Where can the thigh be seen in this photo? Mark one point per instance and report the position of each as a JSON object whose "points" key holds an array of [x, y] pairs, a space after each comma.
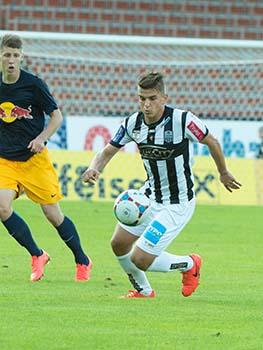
{"points": [[9, 175], [122, 240], [40, 179], [165, 227]]}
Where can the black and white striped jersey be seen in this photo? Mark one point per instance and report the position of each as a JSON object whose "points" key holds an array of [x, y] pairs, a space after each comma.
{"points": [[260, 151], [166, 151]]}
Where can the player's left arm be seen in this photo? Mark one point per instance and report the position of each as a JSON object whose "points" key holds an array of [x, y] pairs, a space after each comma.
{"points": [[37, 145], [216, 152]]}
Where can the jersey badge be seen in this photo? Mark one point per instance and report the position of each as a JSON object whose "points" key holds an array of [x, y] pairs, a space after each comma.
{"points": [[136, 134], [168, 136]]}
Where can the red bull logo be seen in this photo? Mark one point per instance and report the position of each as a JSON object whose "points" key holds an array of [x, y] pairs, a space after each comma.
{"points": [[10, 112]]}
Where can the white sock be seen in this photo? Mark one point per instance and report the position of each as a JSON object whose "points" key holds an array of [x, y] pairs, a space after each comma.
{"points": [[167, 262], [136, 276]]}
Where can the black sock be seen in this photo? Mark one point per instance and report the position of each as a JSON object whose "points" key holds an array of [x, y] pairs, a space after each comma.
{"points": [[19, 230], [69, 234]]}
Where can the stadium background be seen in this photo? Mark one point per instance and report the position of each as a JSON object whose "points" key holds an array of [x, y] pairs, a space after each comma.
{"points": [[95, 82]]}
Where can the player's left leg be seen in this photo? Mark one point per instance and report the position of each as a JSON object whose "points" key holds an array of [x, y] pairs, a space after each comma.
{"points": [[149, 254], [68, 232]]}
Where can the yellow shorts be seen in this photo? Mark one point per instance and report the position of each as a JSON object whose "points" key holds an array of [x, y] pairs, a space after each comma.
{"points": [[36, 177]]}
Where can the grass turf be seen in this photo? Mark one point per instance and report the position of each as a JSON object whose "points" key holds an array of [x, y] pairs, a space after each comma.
{"points": [[58, 313]]}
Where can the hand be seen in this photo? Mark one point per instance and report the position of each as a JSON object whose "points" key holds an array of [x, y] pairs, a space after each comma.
{"points": [[37, 145], [229, 181], [90, 176]]}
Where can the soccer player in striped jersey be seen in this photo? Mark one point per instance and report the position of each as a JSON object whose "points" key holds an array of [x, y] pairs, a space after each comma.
{"points": [[164, 136], [260, 149]]}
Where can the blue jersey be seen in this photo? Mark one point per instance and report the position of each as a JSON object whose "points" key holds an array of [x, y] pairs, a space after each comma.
{"points": [[23, 106]]}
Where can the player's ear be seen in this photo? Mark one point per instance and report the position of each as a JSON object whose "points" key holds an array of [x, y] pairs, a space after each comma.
{"points": [[165, 98]]}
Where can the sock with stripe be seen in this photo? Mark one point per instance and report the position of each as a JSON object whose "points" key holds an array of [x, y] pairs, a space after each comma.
{"points": [[19, 230], [167, 262], [136, 276], [69, 235]]}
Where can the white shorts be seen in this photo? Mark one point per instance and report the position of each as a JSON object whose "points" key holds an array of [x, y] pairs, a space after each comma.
{"points": [[162, 226]]}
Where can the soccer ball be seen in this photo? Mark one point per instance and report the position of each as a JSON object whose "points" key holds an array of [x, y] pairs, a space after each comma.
{"points": [[131, 207]]}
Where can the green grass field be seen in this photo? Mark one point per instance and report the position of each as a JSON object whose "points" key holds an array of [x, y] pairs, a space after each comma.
{"points": [[57, 313]]}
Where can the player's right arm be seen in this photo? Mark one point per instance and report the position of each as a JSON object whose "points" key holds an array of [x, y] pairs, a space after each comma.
{"points": [[103, 157], [98, 163]]}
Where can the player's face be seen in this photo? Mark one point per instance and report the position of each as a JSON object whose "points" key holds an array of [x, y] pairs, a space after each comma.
{"points": [[152, 103], [11, 60]]}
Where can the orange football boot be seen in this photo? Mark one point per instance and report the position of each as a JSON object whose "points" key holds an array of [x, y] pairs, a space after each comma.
{"points": [[38, 264], [190, 278], [83, 272], [132, 294]]}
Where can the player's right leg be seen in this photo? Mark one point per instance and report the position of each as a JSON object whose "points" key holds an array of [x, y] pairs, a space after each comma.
{"points": [[122, 243], [19, 230], [42, 186]]}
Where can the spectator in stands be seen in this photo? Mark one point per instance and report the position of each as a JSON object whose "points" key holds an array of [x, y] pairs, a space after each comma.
{"points": [[260, 150], [25, 163], [163, 135]]}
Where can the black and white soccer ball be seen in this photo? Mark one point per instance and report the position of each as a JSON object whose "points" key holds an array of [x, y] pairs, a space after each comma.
{"points": [[131, 207]]}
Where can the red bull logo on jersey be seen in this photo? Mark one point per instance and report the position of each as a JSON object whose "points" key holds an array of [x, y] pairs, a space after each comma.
{"points": [[10, 112]]}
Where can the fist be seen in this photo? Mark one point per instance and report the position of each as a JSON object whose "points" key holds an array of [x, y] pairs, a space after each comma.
{"points": [[90, 176]]}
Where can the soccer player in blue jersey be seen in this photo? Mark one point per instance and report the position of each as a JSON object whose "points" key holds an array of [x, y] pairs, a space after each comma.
{"points": [[164, 136], [25, 163]]}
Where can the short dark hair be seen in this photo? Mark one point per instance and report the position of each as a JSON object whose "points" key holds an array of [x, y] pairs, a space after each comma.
{"points": [[11, 40], [152, 80]]}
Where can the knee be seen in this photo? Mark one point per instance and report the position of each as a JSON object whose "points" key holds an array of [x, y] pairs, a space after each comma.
{"points": [[140, 262], [56, 220], [5, 212], [55, 217], [119, 247], [115, 245]]}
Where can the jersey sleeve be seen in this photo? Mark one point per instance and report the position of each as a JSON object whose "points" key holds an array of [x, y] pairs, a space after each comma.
{"points": [[121, 137], [195, 129], [45, 100]]}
